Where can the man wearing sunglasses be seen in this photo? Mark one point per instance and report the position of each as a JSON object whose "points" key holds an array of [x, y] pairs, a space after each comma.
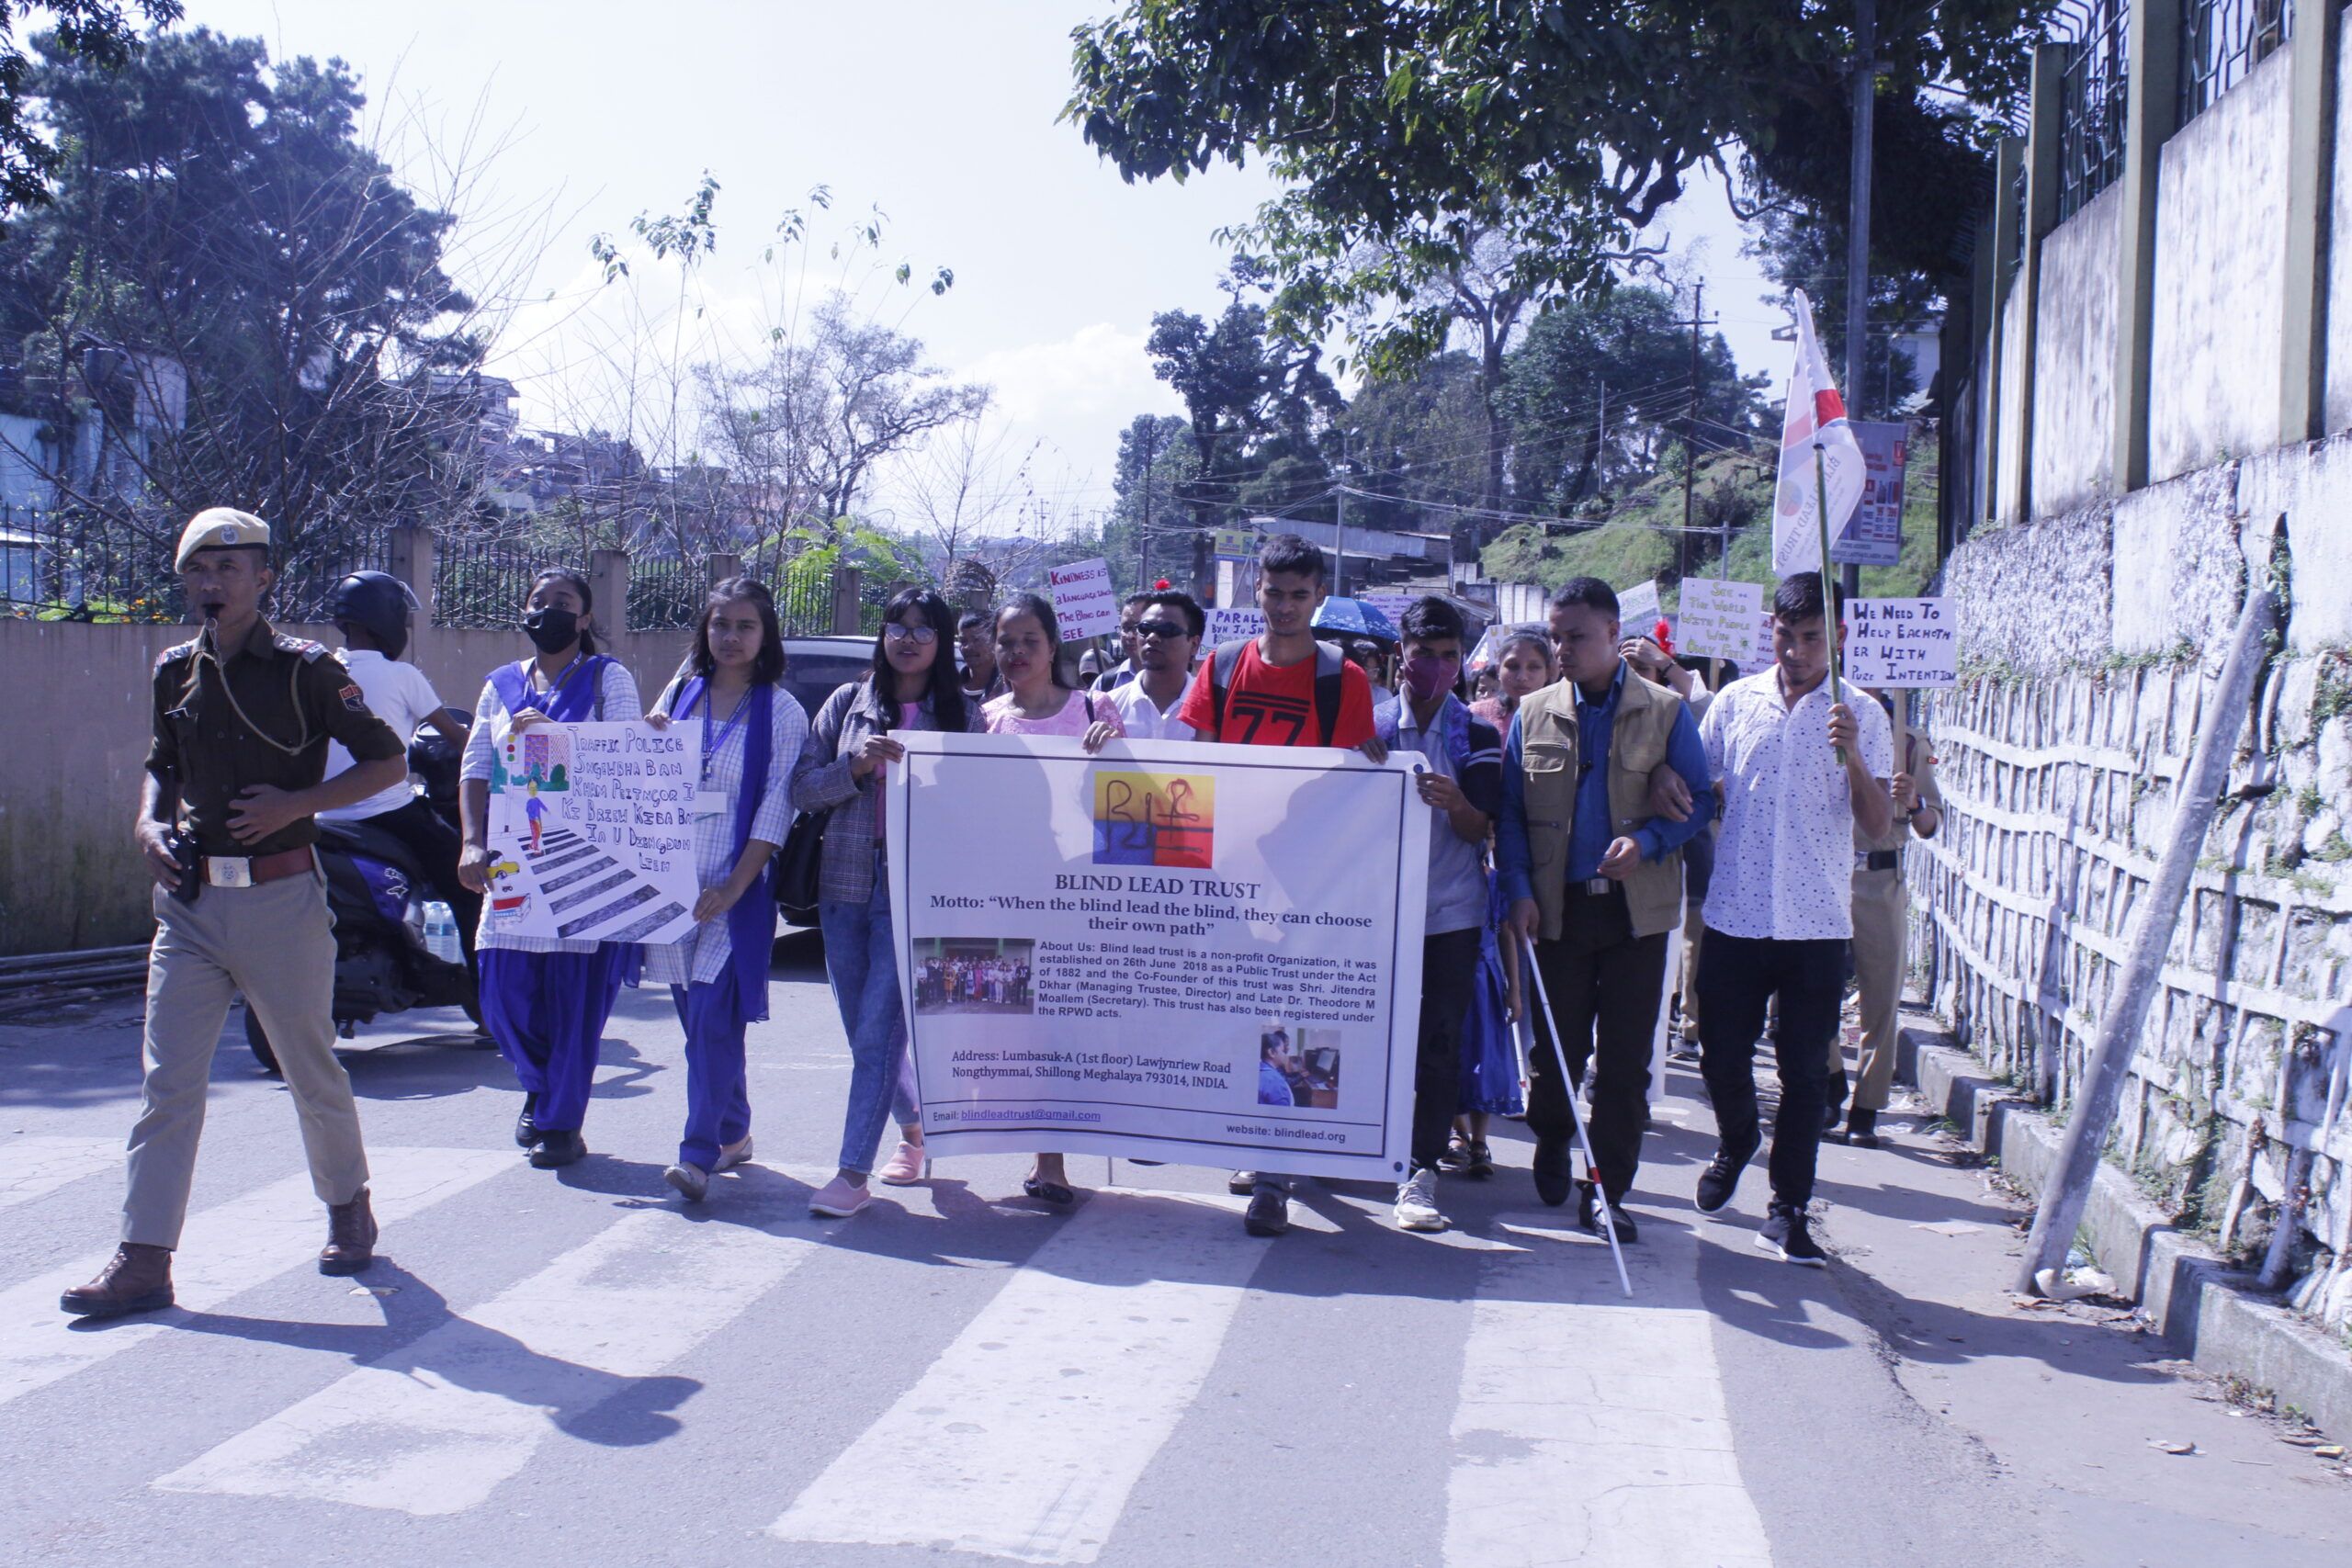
{"points": [[1169, 627]]}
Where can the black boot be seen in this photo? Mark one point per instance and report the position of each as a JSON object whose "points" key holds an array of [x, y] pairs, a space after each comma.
{"points": [[526, 1132]]}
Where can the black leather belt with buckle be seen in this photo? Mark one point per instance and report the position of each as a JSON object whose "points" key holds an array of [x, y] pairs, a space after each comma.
{"points": [[1591, 886], [1878, 860]]}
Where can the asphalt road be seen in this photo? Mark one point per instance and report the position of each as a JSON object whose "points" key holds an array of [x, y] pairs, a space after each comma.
{"points": [[573, 1367]]}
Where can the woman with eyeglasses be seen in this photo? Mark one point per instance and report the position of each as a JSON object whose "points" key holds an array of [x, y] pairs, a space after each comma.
{"points": [[1029, 652], [913, 684]]}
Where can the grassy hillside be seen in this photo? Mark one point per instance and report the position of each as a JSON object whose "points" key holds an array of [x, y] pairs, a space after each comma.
{"points": [[1640, 538]]}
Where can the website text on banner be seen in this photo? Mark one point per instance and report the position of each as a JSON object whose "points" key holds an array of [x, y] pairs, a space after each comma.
{"points": [[1201, 953], [1901, 642], [1718, 619], [1084, 601], [592, 831]]}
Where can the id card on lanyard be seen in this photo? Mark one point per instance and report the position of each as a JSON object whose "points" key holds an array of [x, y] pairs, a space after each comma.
{"points": [[710, 802]]}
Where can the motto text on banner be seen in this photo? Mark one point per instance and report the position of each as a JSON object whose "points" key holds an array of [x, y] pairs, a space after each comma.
{"points": [[1196, 953]]}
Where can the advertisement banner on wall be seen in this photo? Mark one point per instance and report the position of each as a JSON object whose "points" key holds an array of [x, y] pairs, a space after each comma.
{"points": [[1197, 953], [592, 831]]}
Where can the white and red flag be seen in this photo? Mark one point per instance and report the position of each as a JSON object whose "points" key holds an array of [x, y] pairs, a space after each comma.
{"points": [[1816, 415]]}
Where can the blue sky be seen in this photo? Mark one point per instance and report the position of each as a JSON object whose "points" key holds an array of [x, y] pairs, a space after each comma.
{"points": [[942, 114]]}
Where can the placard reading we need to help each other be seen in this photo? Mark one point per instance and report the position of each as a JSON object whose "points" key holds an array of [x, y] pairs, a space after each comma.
{"points": [[1901, 642]]}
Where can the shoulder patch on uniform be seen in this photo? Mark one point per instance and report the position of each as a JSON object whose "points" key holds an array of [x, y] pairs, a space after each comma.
{"points": [[354, 698], [177, 651], [311, 652]]}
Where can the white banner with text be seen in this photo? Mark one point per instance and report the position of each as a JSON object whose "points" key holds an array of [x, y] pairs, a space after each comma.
{"points": [[1197, 953]]}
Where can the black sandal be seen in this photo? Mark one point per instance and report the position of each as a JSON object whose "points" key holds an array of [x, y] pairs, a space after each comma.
{"points": [[1482, 1160], [1048, 1191]]}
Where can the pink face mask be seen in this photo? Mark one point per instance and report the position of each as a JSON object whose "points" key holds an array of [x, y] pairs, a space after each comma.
{"points": [[1426, 675]]}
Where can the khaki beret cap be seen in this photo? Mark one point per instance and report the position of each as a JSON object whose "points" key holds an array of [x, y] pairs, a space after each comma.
{"points": [[220, 528]]}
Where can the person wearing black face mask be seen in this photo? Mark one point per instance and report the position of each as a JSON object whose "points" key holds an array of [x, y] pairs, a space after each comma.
{"points": [[545, 1000]]}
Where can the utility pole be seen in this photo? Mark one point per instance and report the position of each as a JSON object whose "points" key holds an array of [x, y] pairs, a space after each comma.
{"points": [[1150, 447], [1340, 580], [1690, 430], [1857, 227], [1601, 438]]}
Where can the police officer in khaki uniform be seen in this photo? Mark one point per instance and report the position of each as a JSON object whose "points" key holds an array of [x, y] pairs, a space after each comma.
{"points": [[1882, 920], [242, 720]]}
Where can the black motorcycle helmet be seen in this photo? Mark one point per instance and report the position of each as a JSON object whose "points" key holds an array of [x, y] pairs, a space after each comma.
{"points": [[379, 603]]}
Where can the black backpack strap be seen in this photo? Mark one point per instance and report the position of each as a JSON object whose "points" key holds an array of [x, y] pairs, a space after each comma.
{"points": [[1331, 675], [1090, 705], [1222, 665]]}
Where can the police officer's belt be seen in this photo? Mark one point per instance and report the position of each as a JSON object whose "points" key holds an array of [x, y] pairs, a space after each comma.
{"points": [[251, 871], [1877, 860]]}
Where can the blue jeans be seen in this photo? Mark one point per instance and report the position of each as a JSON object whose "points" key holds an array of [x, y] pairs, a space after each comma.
{"points": [[862, 962]]}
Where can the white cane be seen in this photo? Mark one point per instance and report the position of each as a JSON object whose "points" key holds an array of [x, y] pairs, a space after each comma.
{"points": [[1569, 1092]]}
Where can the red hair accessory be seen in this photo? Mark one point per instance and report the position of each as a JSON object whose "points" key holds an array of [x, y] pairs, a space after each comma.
{"points": [[1663, 635], [1162, 585]]}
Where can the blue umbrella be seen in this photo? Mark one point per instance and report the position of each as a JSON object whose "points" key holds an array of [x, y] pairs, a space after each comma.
{"points": [[1353, 617]]}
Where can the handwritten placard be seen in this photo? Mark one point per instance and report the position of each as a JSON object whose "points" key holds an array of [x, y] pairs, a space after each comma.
{"points": [[1764, 656], [1637, 609], [1719, 618], [1901, 642], [592, 831], [1224, 625], [1084, 601]]}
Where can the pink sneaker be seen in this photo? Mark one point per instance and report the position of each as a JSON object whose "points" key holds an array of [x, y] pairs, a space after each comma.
{"points": [[903, 1168], [837, 1199]]}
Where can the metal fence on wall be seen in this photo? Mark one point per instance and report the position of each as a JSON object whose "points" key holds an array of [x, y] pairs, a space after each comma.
{"points": [[2220, 40], [74, 567], [481, 583], [2092, 99]]}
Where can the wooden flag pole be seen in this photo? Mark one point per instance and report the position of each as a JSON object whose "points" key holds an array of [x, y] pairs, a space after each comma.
{"points": [[1828, 614]]}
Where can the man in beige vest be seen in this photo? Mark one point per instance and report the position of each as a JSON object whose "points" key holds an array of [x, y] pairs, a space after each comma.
{"points": [[1594, 876], [1882, 917]]}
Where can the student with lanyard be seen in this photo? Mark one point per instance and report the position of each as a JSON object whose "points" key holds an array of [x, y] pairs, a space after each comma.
{"points": [[751, 735], [913, 684], [1029, 651], [545, 1000]]}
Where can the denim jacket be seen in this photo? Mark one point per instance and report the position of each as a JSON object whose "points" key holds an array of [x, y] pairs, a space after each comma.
{"points": [[821, 781]]}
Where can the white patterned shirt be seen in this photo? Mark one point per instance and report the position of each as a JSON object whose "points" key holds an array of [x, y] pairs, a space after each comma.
{"points": [[1784, 861], [617, 699], [704, 954]]}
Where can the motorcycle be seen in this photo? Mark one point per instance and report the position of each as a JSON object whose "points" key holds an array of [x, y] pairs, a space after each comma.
{"points": [[375, 891]]}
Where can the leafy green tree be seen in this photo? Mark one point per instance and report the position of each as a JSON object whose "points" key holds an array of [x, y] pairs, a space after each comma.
{"points": [[1408, 134], [1143, 537], [1251, 400], [1599, 385], [97, 33], [1811, 256], [232, 289]]}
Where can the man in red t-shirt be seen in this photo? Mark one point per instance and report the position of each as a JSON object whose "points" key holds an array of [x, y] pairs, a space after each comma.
{"points": [[1271, 699]]}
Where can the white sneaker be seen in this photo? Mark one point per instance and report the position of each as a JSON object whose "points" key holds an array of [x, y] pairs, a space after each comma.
{"points": [[691, 1181], [732, 1154], [1417, 1207]]}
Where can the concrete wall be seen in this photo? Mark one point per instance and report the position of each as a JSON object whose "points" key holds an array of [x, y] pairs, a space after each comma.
{"points": [[2091, 641], [2009, 491], [2074, 374], [74, 709], [2220, 271], [2339, 258]]}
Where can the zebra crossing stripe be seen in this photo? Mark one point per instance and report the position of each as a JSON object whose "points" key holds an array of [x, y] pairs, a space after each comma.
{"points": [[1025, 1436], [223, 1252], [34, 1168], [1593, 1426], [435, 1429]]}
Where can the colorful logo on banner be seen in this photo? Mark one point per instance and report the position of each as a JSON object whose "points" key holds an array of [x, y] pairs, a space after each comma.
{"points": [[1155, 819]]}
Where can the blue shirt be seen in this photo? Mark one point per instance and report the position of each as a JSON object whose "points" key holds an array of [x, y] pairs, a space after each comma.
{"points": [[1590, 835]]}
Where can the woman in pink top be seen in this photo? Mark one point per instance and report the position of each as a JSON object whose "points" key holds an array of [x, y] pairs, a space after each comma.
{"points": [[1028, 655]]}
